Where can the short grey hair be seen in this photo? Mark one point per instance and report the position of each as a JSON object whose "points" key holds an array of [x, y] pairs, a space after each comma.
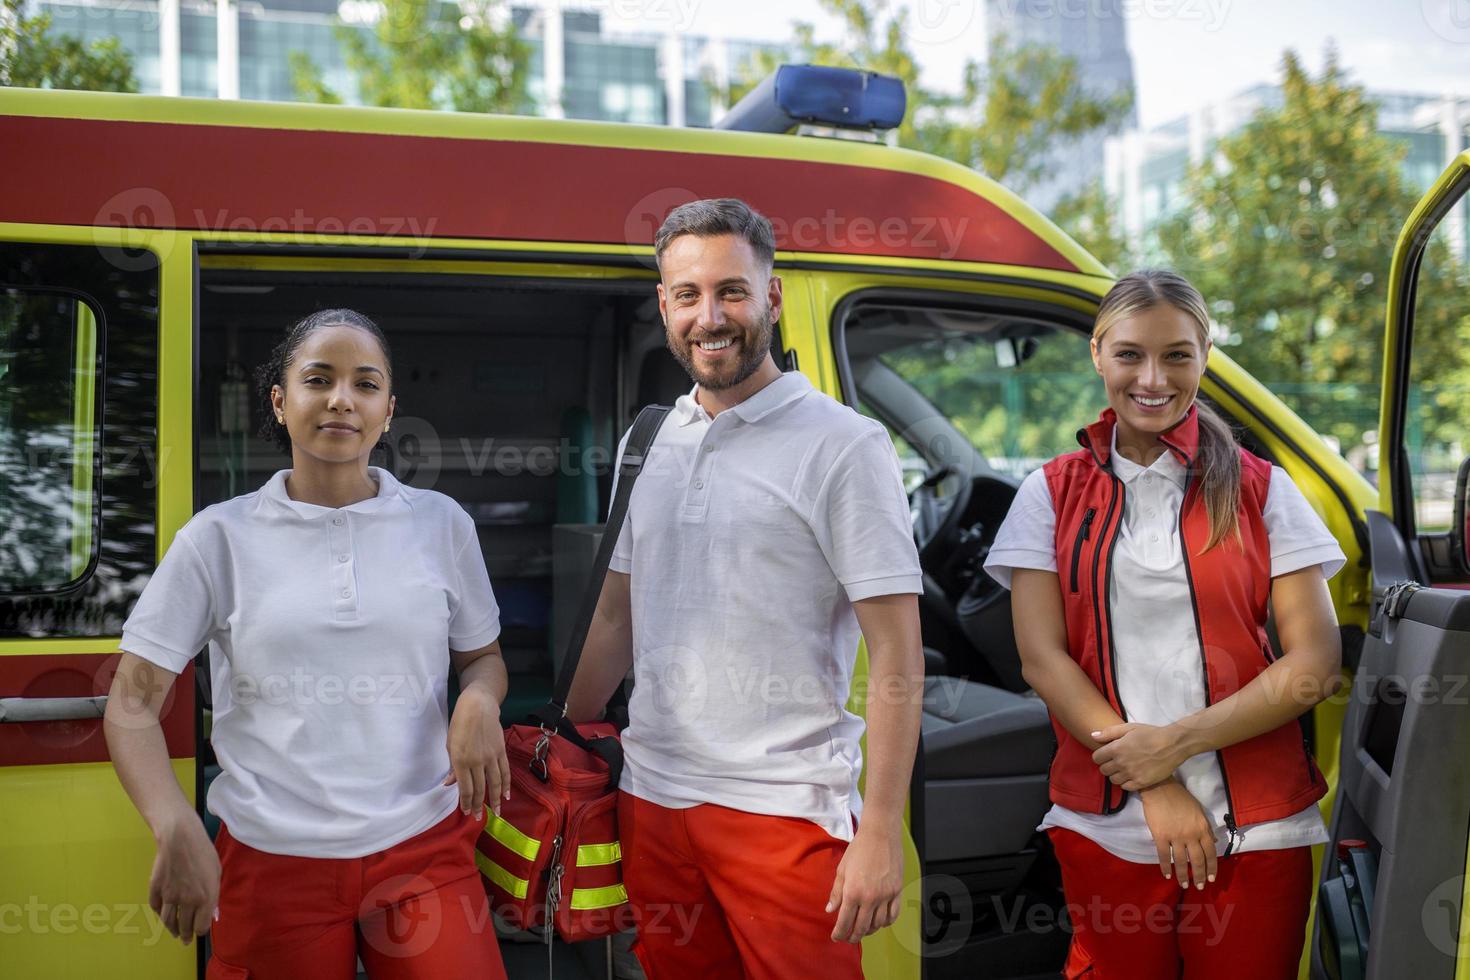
{"points": [[718, 216]]}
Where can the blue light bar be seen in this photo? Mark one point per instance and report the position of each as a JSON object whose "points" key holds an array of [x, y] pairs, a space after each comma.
{"points": [[845, 98]]}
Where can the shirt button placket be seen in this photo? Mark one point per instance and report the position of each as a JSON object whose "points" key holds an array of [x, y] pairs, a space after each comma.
{"points": [[344, 584], [697, 496]]}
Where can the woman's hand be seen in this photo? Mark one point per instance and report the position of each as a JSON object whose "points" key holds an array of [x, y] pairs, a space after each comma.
{"points": [[1137, 756], [184, 887], [1182, 833], [477, 761]]}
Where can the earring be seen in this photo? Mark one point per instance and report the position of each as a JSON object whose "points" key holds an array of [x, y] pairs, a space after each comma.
{"points": [[386, 425], [280, 418]]}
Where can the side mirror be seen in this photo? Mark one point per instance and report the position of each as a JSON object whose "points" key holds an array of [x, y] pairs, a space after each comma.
{"points": [[1459, 532]]}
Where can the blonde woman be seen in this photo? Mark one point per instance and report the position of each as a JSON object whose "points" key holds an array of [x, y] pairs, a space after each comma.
{"points": [[1141, 568]]}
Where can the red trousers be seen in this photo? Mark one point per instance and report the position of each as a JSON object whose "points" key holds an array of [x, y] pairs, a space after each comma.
{"points": [[719, 894], [1131, 923], [413, 912]]}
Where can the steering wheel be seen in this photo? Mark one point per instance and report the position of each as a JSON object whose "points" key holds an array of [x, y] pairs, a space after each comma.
{"points": [[937, 519]]}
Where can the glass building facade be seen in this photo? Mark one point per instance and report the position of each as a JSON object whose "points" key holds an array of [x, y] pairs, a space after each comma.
{"points": [[1095, 36], [645, 78]]}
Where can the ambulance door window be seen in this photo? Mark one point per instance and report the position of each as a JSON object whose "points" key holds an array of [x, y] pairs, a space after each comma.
{"points": [[1436, 437], [48, 396], [1013, 386], [78, 425]]}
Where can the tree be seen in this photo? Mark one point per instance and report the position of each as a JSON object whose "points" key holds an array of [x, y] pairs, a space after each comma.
{"points": [[1090, 217], [429, 54], [1288, 230], [1008, 112], [32, 57]]}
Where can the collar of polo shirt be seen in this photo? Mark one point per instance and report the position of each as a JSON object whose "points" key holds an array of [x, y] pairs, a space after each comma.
{"points": [[784, 390], [275, 492], [1166, 466]]}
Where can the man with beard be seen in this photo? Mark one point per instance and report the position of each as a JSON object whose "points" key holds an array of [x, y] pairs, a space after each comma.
{"points": [[768, 527]]}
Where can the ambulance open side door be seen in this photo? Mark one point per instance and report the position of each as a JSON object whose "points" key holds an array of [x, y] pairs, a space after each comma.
{"points": [[1391, 898]]}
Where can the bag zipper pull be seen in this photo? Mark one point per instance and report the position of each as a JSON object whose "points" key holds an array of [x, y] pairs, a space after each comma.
{"points": [[553, 899]]}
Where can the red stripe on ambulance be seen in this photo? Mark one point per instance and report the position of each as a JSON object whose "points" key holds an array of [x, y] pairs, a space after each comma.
{"points": [[81, 675], [249, 180]]}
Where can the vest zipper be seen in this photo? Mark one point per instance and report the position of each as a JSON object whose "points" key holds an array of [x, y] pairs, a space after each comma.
{"points": [[1205, 670], [1082, 536], [1102, 612]]}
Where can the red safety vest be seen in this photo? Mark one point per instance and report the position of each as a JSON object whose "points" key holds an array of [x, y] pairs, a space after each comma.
{"points": [[1266, 777]]}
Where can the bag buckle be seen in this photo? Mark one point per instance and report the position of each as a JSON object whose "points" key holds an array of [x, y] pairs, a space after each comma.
{"points": [[538, 755]]}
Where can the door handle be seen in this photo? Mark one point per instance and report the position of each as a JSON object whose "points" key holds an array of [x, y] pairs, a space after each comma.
{"points": [[51, 709]]}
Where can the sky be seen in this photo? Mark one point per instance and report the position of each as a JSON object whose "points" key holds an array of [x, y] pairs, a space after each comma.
{"points": [[1186, 53]]}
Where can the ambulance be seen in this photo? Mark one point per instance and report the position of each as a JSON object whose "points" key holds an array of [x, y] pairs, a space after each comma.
{"points": [[152, 250]]}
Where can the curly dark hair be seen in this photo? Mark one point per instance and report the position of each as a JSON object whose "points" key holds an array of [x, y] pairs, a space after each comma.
{"points": [[273, 371]]}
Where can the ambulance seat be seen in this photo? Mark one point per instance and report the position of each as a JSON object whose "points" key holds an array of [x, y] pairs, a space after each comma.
{"points": [[987, 753]]}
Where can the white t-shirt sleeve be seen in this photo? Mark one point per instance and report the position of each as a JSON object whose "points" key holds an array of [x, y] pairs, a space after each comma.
{"points": [[474, 615], [861, 521], [1298, 537], [175, 616], [622, 556], [1027, 537]]}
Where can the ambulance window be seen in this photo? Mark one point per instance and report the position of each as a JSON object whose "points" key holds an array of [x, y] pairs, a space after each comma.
{"points": [[1016, 387], [1437, 420], [48, 424], [78, 436]]}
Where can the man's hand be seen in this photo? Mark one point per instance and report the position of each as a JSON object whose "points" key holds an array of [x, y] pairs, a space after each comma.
{"points": [[865, 893], [477, 759], [1137, 756]]}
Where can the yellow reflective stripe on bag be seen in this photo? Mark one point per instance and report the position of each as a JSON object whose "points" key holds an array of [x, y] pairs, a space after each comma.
{"points": [[515, 841], [507, 882], [595, 855], [598, 898]]}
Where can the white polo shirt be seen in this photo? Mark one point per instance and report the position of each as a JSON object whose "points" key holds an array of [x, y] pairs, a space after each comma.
{"points": [[748, 538], [1160, 676], [329, 632]]}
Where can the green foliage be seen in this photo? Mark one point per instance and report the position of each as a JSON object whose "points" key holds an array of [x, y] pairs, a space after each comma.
{"points": [[1288, 231], [32, 57], [1091, 218], [1008, 112], [306, 79], [427, 54]]}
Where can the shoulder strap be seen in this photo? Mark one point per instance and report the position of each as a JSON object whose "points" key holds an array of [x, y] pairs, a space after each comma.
{"points": [[640, 439]]}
